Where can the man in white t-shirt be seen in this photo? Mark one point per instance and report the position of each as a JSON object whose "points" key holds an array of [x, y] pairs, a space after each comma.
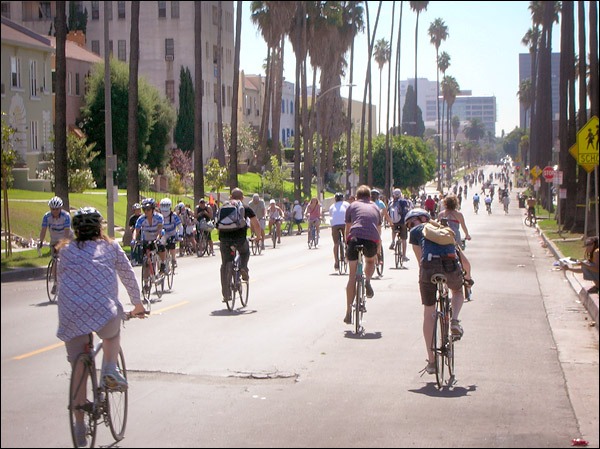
{"points": [[337, 214], [297, 214]]}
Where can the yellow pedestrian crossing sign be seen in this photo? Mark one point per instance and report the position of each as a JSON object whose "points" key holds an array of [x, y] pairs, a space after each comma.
{"points": [[536, 171], [587, 143]]}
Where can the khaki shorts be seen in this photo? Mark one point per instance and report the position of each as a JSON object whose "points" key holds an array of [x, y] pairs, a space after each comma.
{"points": [[76, 345], [449, 267]]}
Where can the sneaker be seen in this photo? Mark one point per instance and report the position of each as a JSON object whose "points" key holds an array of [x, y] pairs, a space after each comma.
{"points": [[53, 291], [405, 259], [456, 328], [348, 318], [370, 292], [244, 273], [469, 282], [113, 378], [80, 434]]}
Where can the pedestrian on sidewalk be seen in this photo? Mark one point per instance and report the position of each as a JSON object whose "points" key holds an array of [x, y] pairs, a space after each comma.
{"points": [[589, 266]]}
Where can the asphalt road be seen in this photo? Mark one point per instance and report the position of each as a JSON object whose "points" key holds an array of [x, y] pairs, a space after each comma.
{"points": [[286, 371]]}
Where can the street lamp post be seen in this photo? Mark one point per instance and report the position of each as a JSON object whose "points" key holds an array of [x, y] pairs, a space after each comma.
{"points": [[319, 174]]}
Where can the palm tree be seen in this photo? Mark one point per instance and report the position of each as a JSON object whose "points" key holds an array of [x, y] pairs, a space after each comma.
{"points": [[133, 177], [60, 127], [198, 94], [525, 96], [531, 40], [443, 64], [233, 153], [417, 7], [475, 130], [388, 151], [594, 81], [450, 90], [382, 57], [438, 32]]}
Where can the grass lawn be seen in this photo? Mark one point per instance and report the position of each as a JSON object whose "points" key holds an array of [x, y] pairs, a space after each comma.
{"points": [[569, 244]]}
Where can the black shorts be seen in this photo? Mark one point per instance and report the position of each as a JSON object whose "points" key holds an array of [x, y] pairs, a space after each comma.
{"points": [[402, 230], [369, 250]]}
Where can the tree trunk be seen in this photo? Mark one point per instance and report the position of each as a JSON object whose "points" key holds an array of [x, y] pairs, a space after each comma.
{"points": [[133, 179], [582, 117], [219, 96], [198, 94], [299, 25], [61, 176], [277, 101], [233, 151]]}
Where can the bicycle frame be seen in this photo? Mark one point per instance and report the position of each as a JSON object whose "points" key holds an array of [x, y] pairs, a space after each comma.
{"points": [[359, 294], [443, 342]]}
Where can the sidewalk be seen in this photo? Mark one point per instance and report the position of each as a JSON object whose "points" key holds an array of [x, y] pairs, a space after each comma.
{"points": [[581, 286]]}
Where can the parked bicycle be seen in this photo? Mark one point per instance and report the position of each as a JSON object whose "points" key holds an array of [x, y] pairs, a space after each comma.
{"points": [[238, 287], [443, 340], [93, 402]]}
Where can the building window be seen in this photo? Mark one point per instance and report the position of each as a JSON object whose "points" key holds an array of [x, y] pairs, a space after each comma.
{"points": [[169, 49], [170, 90], [122, 50], [96, 47], [77, 91], [110, 47], [45, 11], [215, 15], [174, 10], [95, 10], [121, 10], [45, 78], [34, 135], [162, 10], [33, 78], [6, 9], [69, 83], [15, 72]]}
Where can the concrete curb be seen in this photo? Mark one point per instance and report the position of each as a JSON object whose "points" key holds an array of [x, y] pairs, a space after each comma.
{"points": [[23, 274], [589, 300]]}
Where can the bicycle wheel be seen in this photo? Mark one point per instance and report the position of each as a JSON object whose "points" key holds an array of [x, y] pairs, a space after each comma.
{"points": [[274, 237], [242, 290], [439, 348], [253, 245], [379, 263], [229, 278], [450, 349], [116, 404], [146, 285], [341, 257], [202, 247], [159, 279], [170, 274], [83, 398], [398, 253], [359, 301], [51, 283]]}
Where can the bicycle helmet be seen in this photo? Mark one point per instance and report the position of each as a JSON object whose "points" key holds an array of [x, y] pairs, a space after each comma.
{"points": [[137, 206], [417, 212], [165, 205], [149, 202], [339, 196], [375, 192], [397, 193], [180, 207], [55, 203], [87, 222]]}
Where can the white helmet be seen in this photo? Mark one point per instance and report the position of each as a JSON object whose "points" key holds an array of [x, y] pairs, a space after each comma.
{"points": [[397, 193], [55, 203], [165, 205], [180, 206]]}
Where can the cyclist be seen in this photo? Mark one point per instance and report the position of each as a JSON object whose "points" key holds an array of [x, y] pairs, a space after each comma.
{"points": [[204, 217], [149, 228], [275, 214], [88, 297], [232, 232], [506, 202], [363, 227], [488, 204], [313, 213], [136, 255], [59, 223], [172, 226], [337, 212], [456, 219], [187, 220], [434, 258], [476, 202], [375, 198], [297, 214], [398, 208], [531, 209], [258, 207]]}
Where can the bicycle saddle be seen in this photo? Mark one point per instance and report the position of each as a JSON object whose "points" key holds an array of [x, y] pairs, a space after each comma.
{"points": [[438, 278]]}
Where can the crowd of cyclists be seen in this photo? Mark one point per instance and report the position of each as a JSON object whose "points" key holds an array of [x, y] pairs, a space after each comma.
{"points": [[359, 220]]}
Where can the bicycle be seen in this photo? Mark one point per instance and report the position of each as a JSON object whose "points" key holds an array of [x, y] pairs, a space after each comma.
{"points": [[360, 298], [341, 254], [288, 227], [186, 247], [169, 268], [530, 219], [398, 253], [466, 284], [443, 341], [379, 262], [313, 236], [237, 286], [51, 277], [255, 244], [98, 403], [276, 224], [488, 207], [150, 276], [203, 230]]}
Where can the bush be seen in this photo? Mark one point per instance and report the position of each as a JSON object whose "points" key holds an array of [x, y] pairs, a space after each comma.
{"points": [[81, 180]]}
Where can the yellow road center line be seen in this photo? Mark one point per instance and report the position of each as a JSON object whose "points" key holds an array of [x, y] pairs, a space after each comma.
{"points": [[58, 345]]}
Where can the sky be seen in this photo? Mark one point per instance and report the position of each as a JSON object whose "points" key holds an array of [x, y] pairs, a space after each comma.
{"points": [[484, 42]]}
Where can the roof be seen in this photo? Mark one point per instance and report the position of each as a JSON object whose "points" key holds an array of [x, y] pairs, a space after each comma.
{"points": [[75, 51], [17, 34]]}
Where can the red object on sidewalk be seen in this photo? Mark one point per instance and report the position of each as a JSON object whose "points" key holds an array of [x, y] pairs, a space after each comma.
{"points": [[579, 442]]}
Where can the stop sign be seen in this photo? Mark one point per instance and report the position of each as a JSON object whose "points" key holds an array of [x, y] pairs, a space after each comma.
{"points": [[548, 173]]}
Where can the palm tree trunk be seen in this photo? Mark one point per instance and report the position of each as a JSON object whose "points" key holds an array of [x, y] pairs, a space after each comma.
{"points": [[277, 71], [299, 24], [264, 122], [388, 152], [198, 95], [133, 178], [61, 176], [218, 96], [349, 122], [233, 151], [414, 133]]}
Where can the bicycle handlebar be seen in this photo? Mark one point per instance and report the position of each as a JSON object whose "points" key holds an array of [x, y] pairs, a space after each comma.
{"points": [[129, 315]]}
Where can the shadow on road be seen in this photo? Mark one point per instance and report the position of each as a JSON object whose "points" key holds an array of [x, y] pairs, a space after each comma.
{"points": [[447, 392], [363, 336], [237, 312]]}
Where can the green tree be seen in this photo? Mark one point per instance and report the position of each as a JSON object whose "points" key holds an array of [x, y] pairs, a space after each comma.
{"points": [[77, 18], [382, 54], [8, 161], [275, 177], [184, 128], [216, 176]]}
